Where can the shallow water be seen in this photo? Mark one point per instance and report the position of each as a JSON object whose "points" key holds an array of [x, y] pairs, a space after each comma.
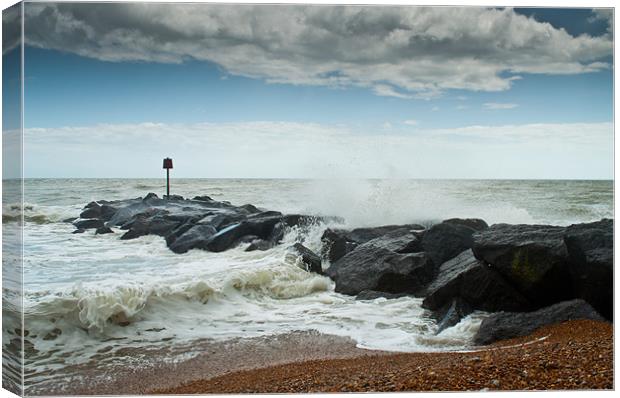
{"points": [[80, 289]]}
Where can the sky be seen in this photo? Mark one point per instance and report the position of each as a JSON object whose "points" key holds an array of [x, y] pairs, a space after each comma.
{"points": [[316, 91]]}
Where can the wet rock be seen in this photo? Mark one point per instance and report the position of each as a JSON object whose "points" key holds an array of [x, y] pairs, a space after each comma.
{"points": [[203, 198], [447, 239], [69, 220], [196, 237], [590, 251], [250, 208], [339, 242], [79, 231], [377, 265], [533, 258], [103, 230], [174, 197], [506, 325], [88, 224], [91, 212], [107, 212], [310, 259], [471, 280], [473, 223], [153, 222]]}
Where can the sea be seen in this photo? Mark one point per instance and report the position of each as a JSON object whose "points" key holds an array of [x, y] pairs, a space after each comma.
{"points": [[87, 295]]}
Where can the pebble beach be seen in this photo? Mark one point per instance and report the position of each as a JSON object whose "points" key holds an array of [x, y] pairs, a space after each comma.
{"points": [[574, 355]]}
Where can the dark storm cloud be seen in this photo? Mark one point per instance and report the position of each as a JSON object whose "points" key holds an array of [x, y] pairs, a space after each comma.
{"points": [[396, 51]]}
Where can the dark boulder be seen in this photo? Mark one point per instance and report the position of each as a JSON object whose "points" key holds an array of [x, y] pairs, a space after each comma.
{"points": [[373, 294], [88, 224], [79, 231], [471, 280], [153, 222], [533, 258], [447, 239], [338, 242], [92, 204], [69, 220], [91, 212], [473, 223], [203, 198], [196, 237], [506, 325], [221, 219], [174, 197], [250, 208], [310, 259], [103, 230], [107, 212], [226, 238], [591, 259], [377, 265]]}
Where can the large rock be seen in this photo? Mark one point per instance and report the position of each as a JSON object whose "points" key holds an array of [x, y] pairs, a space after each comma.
{"points": [[591, 259], [88, 224], [506, 325], [467, 278], [447, 239], [338, 242], [196, 237], [310, 259], [377, 265], [533, 258]]}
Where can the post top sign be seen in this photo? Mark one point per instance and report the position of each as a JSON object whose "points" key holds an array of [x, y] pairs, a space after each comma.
{"points": [[167, 163]]}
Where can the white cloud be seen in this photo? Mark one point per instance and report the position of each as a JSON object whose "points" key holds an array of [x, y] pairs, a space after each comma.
{"points": [[461, 107], [435, 108], [404, 52], [499, 105], [411, 122], [285, 149]]}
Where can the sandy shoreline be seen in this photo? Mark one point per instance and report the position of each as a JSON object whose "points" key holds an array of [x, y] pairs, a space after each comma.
{"points": [[571, 355]]}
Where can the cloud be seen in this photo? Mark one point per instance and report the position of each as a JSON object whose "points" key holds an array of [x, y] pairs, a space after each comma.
{"points": [[403, 52], [309, 150], [498, 105], [411, 122]]}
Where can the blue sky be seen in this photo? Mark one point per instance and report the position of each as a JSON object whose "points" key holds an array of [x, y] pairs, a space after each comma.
{"points": [[443, 102]]}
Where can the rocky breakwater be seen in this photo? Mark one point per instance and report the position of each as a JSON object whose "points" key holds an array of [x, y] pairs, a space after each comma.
{"points": [[462, 265], [198, 223]]}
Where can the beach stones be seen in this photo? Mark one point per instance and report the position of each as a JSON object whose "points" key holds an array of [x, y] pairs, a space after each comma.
{"points": [[506, 325]]}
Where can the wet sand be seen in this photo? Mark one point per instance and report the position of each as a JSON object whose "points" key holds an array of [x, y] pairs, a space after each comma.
{"points": [[139, 371], [571, 355]]}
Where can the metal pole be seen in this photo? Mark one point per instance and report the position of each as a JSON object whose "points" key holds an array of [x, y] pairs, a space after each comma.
{"points": [[167, 183]]}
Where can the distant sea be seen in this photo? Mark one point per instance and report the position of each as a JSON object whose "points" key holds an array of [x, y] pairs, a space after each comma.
{"points": [[79, 289]]}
